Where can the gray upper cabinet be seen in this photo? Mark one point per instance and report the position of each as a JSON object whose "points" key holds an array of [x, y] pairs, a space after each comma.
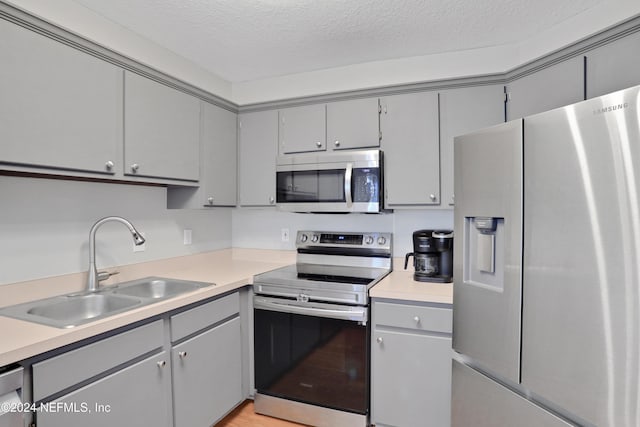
{"points": [[218, 163], [552, 87], [219, 156], [410, 141], [614, 66], [162, 131], [258, 142], [302, 129], [59, 108], [353, 124], [462, 111]]}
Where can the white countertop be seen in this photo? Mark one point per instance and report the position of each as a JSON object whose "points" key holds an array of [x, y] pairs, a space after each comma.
{"points": [[399, 285], [229, 269]]}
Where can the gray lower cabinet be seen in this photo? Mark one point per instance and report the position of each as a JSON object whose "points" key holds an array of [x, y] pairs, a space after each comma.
{"points": [[613, 66], [410, 141], [257, 151], [206, 360], [161, 130], [353, 124], [462, 111], [133, 396], [108, 384], [302, 129], [410, 365], [207, 375], [180, 370], [552, 87], [59, 107]]}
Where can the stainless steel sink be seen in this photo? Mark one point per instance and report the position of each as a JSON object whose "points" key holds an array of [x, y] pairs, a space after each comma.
{"points": [[157, 288], [71, 310], [77, 309]]}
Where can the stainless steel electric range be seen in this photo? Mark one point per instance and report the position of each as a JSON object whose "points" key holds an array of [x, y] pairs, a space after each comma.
{"points": [[311, 331]]}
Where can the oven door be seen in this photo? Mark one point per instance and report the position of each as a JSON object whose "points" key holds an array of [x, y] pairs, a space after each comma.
{"points": [[313, 353]]}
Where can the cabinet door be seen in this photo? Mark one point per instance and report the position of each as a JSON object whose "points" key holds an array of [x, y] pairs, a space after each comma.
{"points": [[353, 124], [134, 396], [207, 375], [462, 111], [302, 129], [161, 130], [258, 147], [556, 86], [219, 163], [59, 107], [411, 379], [410, 132], [614, 66]]}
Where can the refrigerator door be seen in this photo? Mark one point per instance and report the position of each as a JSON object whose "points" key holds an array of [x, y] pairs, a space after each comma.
{"points": [[488, 249], [581, 319]]}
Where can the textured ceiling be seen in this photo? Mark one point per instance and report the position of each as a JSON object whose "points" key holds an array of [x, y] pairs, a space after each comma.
{"points": [[242, 40]]}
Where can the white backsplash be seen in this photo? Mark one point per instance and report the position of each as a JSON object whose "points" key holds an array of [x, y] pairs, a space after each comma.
{"points": [[261, 228], [45, 223]]}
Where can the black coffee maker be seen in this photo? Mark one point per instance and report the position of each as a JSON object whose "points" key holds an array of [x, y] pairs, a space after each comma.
{"points": [[432, 256]]}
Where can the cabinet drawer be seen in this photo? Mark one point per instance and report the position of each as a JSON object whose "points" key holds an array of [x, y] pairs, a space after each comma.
{"points": [[413, 317], [55, 374], [191, 321]]}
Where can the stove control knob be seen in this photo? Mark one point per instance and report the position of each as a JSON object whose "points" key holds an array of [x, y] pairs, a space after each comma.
{"points": [[368, 240], [303, 238], [381, 240], [314, 238]]}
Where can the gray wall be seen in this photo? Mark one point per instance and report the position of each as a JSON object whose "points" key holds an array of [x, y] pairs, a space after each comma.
{"points": [[44, 226], [260, 228]]}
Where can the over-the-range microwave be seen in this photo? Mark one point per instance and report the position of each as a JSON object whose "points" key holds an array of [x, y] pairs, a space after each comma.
{"points": [[343, 181]]}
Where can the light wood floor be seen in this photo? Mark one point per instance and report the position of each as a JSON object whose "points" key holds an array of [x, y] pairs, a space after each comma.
{"points": [[243, 416]]}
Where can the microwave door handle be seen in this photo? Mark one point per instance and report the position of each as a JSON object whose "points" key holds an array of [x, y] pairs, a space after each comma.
{"points": [[347, 184]]}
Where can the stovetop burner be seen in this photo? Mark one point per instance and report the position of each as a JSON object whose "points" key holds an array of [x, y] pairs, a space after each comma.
{"points": [[331, 267]]}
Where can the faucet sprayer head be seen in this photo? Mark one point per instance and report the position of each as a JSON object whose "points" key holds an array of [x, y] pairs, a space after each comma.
{"points": [[137, 237]]}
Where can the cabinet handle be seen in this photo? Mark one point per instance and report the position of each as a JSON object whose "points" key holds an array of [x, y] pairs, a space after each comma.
{"points": [[135, 167], [432, 197], [161, 364], [379, 340], [337, 143], [319, 144], [210, 200], [109, 165], [416, 319], [271, 200], [182, 354]]}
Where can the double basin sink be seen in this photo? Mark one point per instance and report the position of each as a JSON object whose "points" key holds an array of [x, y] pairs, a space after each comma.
{"points": [[67, 311]]}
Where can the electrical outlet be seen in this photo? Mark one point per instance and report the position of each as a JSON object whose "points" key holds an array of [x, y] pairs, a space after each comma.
{"points": [[284, 234], [142, 247], [187, 236]]}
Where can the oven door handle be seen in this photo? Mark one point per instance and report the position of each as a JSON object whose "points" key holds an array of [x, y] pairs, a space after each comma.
{"points": [[355, 314], [348, 175]]}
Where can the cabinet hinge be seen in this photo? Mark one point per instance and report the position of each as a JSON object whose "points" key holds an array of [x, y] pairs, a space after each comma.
{"points": [[379, 136], [379, 108], [506, 97]]}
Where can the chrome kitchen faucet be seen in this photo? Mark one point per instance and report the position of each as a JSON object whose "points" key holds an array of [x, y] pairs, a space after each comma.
{"points": [[93, 279]]}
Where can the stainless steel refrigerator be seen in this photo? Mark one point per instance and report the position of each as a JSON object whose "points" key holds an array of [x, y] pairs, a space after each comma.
{"points": [[546, 327]]}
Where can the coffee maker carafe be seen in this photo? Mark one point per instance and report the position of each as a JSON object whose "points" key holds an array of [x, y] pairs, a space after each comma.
{"points": [[432, 256]]}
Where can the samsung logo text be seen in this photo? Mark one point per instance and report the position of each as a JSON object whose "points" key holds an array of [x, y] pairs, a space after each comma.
{"points": [[611, 108]]}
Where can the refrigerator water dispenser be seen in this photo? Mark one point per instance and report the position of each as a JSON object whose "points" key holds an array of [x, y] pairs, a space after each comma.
{"points": [[484, 254]]}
